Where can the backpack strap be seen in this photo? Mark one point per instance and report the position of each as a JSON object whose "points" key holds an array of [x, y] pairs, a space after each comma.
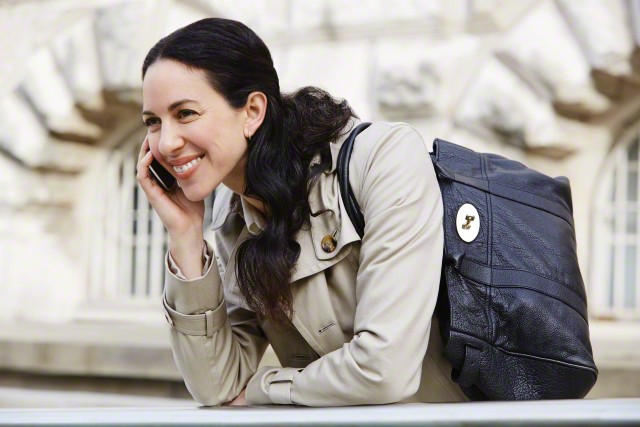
{"points": [[346, 192]]}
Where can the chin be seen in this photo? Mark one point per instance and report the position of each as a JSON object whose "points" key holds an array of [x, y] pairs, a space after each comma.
{"points": [[195, 195]]}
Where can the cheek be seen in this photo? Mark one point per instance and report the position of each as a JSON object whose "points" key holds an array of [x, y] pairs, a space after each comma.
{"points": [[230, 154], [153, 146]]}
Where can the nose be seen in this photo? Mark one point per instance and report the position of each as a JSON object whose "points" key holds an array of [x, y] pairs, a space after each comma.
{"points": [[170, 141]]}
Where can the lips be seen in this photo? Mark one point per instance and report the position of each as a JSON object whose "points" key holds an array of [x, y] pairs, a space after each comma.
{"points": [[183, 160], [184, 172]]}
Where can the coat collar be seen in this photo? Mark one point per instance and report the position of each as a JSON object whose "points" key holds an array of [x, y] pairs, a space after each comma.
{"points": [[324, 194]]}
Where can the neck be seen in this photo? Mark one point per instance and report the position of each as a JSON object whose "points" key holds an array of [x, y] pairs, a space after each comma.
{"points": [[256, 203], [235, 182]]}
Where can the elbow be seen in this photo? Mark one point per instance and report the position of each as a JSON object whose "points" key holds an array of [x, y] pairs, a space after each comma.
{"points": [[392, 386], [207, 397], [204, 399], [397, 391]]}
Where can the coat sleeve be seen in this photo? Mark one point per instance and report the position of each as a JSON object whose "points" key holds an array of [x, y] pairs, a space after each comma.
{"points": [[396, 287], [217, 346]]}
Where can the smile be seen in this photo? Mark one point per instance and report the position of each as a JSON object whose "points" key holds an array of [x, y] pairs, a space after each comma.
{"points": [[183, 169]]}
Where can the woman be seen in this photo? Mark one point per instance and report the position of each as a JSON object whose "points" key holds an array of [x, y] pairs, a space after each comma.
{"points": [[350, 319]]}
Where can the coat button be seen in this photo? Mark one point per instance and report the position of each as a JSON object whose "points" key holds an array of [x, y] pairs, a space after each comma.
{"points": [[328, 243]]}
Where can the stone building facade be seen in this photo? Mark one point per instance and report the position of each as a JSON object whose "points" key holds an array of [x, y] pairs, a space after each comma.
{"points": [[554, 84]]}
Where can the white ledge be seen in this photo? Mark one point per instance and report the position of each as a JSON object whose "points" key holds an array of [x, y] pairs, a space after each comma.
{"points": [[531, 413]]}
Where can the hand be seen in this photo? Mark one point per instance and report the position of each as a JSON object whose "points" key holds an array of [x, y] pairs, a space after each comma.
{"points": [[179, 215], [240, 400]]}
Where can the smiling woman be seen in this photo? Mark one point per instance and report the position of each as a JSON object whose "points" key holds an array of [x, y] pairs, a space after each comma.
{"points": [[350, 318]]}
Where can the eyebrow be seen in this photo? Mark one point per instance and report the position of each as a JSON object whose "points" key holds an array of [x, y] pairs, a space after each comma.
{"points": [[172, 106]]}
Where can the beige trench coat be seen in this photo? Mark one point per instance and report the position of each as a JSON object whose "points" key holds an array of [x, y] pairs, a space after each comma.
{"points": [[364, 330]]}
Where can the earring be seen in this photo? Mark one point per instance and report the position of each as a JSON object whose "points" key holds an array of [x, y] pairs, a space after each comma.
{"points": [[249, 138]]}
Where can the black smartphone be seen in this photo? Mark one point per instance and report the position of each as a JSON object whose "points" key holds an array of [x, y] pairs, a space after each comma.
{"points": [[162, 176]]}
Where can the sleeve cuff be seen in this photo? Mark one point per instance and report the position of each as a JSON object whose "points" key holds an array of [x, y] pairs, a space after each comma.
{"points": [[198, 324], [194, 296], [271, 386], [175, 270]]}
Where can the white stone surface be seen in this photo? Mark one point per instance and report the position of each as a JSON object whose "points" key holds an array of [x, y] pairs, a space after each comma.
{"points": [[49, 93], [265, 17], [603, 29], [18, 20], [68, 156], [524, 413], [498, 100], [634, 16], [342, 69], [178, 15], [21, 132], [445, 129], [421, 76], [542, 50], [485, 16], [22, 398], [125, 32], [616, 344], [44, 279], [367, 12], [76, 55], [316, 14]]}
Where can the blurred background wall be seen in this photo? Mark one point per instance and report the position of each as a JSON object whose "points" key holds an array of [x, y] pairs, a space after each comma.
{"points": [[553, 84]]}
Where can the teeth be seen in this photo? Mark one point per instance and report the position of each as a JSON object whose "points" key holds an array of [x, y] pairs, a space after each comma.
{"points": [[186, 167]]}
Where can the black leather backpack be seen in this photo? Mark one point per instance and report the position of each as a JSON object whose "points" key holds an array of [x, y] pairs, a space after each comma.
{"points": [[511, 305]]}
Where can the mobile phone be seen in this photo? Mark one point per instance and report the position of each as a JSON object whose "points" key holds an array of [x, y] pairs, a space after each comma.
{"points": [[162, 176]]}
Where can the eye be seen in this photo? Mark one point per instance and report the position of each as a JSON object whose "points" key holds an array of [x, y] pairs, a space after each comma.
{"points": [[149, 121], [180, 113]]}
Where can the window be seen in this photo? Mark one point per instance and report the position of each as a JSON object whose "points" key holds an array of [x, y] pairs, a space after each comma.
{"points": [[616, 239], [130, 241]]}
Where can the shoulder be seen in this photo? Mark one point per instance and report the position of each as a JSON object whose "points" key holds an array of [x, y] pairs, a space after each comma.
{"points": [[382, 132], [386, 149]]}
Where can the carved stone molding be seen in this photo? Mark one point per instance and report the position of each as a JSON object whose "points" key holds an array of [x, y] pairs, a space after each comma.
{"points": [[77, 58], [542, 51], [603, 30], [420, 77], [483, 16], [499, 102], [120, 31], [559, 56], [618, 87], [22, 136]]}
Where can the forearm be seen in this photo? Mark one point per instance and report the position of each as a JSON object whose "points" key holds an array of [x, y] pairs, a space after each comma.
{"points": [[216, 346], [352, 375], [216, 362]]}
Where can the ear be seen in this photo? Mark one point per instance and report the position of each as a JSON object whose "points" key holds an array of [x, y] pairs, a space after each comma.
{"points": [[255, 110]]}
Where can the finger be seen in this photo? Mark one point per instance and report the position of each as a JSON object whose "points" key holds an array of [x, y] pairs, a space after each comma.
{"points": [[143, 176], [144, 148], [142, 169]]}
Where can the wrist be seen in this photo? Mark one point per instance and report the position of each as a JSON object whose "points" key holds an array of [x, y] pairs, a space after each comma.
{"points": [[188, 255], [190, 234]]}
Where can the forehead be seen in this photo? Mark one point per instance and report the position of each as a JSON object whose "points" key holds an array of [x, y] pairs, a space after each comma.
{"points": [[167, 81]]}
